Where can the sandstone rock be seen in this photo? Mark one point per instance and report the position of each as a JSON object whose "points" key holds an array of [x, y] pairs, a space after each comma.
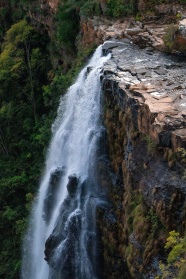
{"points": [[53, 4], [161, 93], [142, 87], [146, 34], [134, 31]]}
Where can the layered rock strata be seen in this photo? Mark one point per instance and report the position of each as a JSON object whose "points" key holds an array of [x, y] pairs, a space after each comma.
{"points": [[145, 117], [146, 29], [150, 33]]}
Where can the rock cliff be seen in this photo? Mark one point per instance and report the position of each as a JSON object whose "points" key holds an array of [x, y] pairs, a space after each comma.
{"points": [[145, 109], [163, 29], [145, 119]]}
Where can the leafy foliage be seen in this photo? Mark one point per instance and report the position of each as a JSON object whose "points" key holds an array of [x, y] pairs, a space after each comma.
{"points": [[23, 70], [67, 28], [169, 36], [29, 96], [151, 145], [90, 8], [117, 8], [177, 246], [10, 12], [24, 63], [175, 267]]}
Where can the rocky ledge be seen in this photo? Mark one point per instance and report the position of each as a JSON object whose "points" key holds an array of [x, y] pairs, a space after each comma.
{"points": [[147, 29], [145, 117], [155, 83]]}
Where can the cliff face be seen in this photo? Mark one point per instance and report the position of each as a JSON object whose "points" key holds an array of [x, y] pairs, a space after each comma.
{"points": [[41, 12], [145, 109], [145, 119], [163, 29]]}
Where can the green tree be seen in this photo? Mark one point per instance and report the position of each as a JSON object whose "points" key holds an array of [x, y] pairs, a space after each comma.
{"points": [[24, 133], [23, 71]]}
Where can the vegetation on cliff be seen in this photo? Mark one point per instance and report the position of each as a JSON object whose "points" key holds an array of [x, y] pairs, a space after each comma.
{"points": [[175, 266]]}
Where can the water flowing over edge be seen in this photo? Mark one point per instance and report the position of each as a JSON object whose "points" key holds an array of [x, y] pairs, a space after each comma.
{"points": [[68, 192]]}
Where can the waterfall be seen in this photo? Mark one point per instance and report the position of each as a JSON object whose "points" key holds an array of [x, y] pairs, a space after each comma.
{"points": [[63, 223]]}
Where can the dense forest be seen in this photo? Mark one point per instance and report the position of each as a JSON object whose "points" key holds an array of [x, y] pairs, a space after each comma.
{"points": [[35, 70]]}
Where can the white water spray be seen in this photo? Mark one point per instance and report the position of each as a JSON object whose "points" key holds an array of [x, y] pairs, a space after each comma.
{"points": [[71, 155]]}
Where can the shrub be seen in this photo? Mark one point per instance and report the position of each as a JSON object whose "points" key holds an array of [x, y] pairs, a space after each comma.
{"points": [[68, 25], [151, 145], [117, 8], [182, 273], [169, 36], [90, 8]]}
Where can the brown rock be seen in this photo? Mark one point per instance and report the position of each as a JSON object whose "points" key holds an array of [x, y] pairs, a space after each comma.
{"points": [[134, 31], [142, 86], [179, 138], [53, 4]]}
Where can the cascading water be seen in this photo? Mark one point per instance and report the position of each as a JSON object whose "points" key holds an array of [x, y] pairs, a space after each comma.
{"points": [[62, 227]]}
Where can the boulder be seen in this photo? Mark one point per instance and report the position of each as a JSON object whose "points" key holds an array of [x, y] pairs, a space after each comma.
{"points": [[52, 190]]}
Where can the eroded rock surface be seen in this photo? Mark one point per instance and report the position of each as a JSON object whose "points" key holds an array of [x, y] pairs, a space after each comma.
{"points": [[145, 106], [154, 82], [147, 31]]}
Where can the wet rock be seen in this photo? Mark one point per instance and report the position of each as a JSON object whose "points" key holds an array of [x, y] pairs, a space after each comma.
{"points": [[89, 69], [62, 248], [53, 187], [60, 245], [165, 139], [107, 46], [72, 184], [63, 260]]}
